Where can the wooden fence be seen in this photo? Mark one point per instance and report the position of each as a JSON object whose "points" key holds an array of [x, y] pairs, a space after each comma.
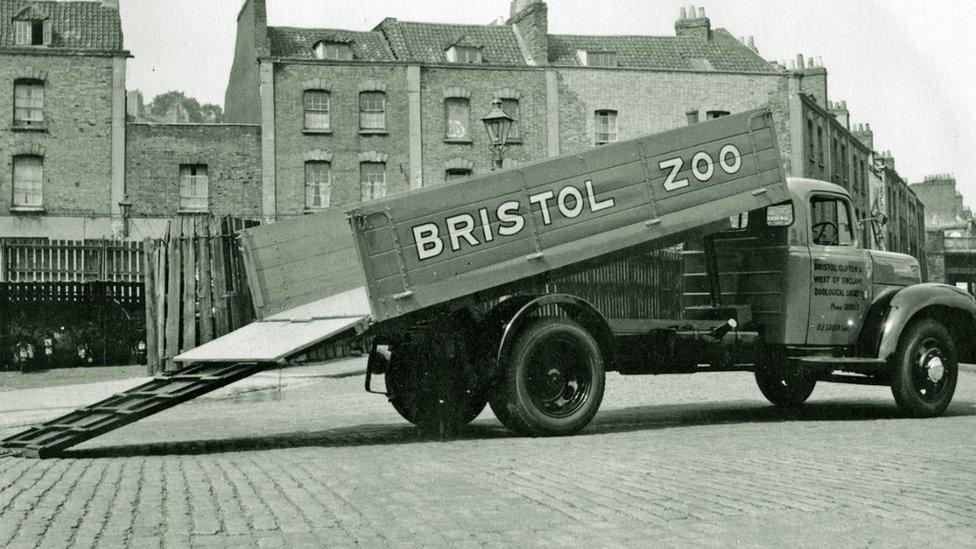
{"points": [[195, 287], [39, 260]]}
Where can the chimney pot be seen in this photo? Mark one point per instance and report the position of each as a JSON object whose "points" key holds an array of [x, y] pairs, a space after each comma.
{"points": [[701, 13], [683, 13], [751, 42], [810, 63], [799, 61], [692, 116], [867, 126], [691, 11], [819, 61]]}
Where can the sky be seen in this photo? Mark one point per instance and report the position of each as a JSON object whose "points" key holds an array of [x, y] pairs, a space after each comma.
{"points": [[905, 67]]}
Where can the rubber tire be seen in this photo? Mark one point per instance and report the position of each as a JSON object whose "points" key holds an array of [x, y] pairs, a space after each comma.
{"points": [[785, 388], [510, 399], [408, 410], [902, 387]]}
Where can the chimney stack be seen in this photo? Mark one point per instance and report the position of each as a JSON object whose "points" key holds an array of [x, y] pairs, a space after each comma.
{"points": [[693, 24], [839, 111], [692, 116], [111, 4], [863, 133]]}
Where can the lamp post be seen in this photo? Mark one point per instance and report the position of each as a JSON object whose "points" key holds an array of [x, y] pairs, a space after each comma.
{"points": [[498, 125]]}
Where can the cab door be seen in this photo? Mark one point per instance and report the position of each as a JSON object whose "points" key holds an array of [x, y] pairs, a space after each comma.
{"points": [[840, 272]]}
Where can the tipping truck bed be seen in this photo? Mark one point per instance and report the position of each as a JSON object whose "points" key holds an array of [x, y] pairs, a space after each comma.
{"points": [[409, 252], [335, 273]]}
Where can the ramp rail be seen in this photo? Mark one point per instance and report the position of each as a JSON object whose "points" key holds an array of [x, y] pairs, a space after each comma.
{"points": [[163, 392]]}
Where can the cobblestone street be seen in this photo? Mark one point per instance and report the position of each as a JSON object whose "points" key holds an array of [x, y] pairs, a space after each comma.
{"points": [[671, 460]]}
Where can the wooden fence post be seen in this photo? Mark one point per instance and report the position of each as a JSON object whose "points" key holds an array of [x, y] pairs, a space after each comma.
{"points": [[219, 279], [175, 265], [189, 285], [206, 270], [149, 281]]}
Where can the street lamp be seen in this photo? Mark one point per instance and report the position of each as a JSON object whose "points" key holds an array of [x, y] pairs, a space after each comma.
{"points": [[498, 125]]}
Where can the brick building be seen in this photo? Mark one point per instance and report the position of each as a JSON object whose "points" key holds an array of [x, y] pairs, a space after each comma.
{"points": [[944, 208], [62, 65], [349, 115]]}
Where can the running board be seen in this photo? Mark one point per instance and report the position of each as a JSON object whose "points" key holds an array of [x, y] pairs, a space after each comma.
{"points": [[127, 407], [827, 364]]}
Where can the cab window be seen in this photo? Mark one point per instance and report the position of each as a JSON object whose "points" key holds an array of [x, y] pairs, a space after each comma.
{"points": [[830, 221]]}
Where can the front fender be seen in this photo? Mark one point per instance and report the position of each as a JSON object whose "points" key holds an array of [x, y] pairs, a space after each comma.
{"points": [[916, 300]]}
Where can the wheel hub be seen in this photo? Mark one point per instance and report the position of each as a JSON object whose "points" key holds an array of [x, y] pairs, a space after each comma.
{"points": [[934, 368]]}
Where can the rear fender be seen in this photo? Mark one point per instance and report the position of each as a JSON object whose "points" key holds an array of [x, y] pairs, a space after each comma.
{"points": [[954, 308], [577, 309]]}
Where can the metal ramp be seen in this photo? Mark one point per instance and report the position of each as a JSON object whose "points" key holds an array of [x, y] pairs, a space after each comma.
{"points": [[164, 391]]}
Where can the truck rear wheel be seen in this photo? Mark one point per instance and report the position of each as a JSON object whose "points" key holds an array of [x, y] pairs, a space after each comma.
{"points": [[553, 381], [925, 369], [784, 387], [434, 401]]}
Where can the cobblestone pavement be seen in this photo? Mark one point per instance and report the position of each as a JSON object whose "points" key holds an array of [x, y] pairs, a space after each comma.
{"points": [[674, 461]]}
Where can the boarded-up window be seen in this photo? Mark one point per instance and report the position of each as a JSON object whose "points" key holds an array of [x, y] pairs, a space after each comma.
{"points": [[194, 188], [372, 179], [317, 110], [28, 181], [318, 184]]}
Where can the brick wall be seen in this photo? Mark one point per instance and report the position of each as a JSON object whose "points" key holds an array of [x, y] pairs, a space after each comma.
{"points": [[232, 154], [482, 85], [344, 142], [77, 138], [650, 102]]}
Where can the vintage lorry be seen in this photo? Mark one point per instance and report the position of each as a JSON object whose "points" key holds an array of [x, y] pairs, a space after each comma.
{"points": [[446, 287]]}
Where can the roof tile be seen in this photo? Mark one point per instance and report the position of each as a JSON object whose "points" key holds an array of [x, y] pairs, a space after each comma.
{"points": [[723, 52], [299, 42], [75, 25]]}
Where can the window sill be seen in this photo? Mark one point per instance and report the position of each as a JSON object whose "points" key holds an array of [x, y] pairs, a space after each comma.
{"points": [[313, 131], [372, 132], [27, 209], [185, 211], [515, 141], [458, 141], [19, 128]]}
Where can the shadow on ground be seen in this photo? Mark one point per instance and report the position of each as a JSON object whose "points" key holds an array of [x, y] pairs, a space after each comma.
{"points": [[638, 418]]}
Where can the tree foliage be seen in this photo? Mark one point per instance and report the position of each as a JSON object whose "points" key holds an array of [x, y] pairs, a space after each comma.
{"points": [[162, 104]]}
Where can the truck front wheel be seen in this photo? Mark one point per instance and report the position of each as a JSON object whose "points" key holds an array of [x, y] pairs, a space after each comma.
{"points": [[925, 369], [553, 381], [786, 388]]}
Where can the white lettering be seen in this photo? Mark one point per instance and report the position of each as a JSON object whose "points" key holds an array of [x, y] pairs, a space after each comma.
{"points": [[700, 158], [507, 212], [591, 195], [428, 242], [672, 184], [723, 157], [566, 192], [458, 227], [486, 224], [542, 199]]}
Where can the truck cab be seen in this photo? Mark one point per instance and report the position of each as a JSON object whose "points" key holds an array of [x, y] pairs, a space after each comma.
{"points": [[826, 308]]}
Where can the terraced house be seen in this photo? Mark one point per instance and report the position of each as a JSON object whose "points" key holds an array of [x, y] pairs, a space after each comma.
{"points": [[349, 115], [62, 145]]}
